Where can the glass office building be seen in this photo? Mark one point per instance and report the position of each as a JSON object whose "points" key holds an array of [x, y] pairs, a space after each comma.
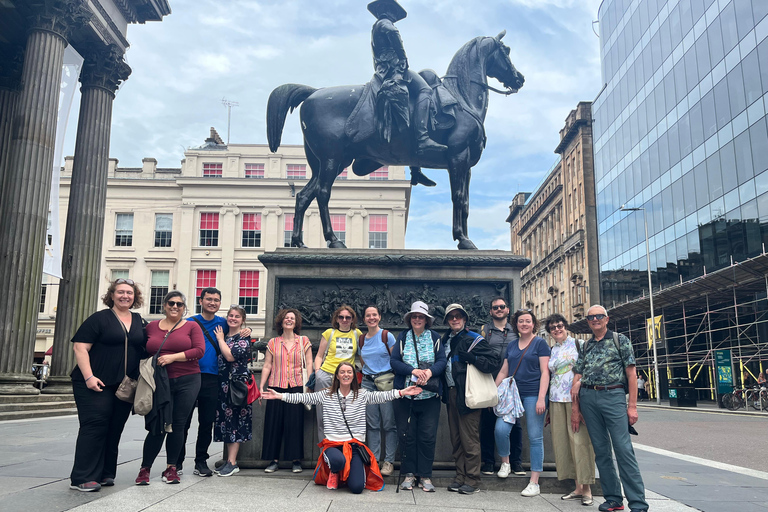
{"points": [[680, 131]]}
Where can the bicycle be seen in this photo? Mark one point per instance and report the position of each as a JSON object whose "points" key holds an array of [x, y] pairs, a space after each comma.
{"points": [[734, 400], [756, 397]]}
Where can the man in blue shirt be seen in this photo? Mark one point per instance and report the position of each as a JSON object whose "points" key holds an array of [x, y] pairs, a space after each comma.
{"points": [[208, 397]]}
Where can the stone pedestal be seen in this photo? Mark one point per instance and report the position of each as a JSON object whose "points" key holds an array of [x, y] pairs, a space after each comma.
{"points": [[317, 281], [103, 70]]}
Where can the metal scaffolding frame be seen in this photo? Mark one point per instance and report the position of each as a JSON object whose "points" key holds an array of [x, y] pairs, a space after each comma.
{"points": [[727, 308]]}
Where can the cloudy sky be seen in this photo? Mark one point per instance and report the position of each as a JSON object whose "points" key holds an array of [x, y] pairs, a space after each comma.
{"points": [[241, 50]]}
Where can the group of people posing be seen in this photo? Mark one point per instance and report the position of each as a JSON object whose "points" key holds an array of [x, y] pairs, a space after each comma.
{"points": [[577, 386]]}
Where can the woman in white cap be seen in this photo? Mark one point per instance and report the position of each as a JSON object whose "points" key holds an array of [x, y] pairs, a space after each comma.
{"points": [[418, 359]]}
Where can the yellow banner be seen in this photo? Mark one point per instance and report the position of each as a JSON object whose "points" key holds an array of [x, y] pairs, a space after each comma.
{"points": [[653, 324]]}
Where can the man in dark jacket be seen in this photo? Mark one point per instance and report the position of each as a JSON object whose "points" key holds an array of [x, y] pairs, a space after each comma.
{"points": [[464, 347]]}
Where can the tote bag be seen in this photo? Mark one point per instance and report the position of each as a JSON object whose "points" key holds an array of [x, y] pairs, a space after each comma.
{"points": [[481, 389]]}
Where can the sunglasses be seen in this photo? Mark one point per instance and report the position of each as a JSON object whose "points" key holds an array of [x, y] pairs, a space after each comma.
{"points": [[498, 307], [525, 311], [455, 317], [178, 304], [595, 317], [556, 327], [343, 318], [235, 306], [124, 281]]}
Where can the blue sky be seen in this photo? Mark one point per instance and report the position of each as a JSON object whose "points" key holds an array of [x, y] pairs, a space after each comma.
{"points": [[242, 49]]}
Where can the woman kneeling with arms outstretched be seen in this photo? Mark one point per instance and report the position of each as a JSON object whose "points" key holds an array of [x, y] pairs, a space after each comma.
{"points": [[344, 424]]}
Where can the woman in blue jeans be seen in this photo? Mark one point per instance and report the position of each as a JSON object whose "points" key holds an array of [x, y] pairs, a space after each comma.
{"points": [[375, 350], [527, 360]]}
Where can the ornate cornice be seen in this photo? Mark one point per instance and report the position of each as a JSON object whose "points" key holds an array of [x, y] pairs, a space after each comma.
{"points": [[105, 68], [61, 17], [103, 30], [11, 65], [385, 257]]}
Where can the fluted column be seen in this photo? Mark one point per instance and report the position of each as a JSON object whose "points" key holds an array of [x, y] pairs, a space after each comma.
{"points": [[27, 186], [102, 72], [11, 62]]}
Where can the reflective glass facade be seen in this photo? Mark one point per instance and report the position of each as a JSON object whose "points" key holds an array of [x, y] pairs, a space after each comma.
{"points": [[680, 130]]}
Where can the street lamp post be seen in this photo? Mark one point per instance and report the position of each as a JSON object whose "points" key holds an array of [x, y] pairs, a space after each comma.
{"points": [[625, 208]]}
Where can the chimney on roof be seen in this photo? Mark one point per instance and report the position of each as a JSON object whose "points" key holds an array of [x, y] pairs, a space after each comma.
{"points": [[214, 137]]}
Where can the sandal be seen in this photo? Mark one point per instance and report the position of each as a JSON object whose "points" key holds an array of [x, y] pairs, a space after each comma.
{"points": [[572, 496], [586, 500]]}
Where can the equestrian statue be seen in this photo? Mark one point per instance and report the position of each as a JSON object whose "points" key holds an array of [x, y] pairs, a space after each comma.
{"points": [[398, 118]]}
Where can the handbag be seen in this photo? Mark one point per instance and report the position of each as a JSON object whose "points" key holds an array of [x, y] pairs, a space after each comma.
{"points": [[126, 391], [433, 384], [253, 390], [361, 451], [237, 392], [481, 390], [143, 400]]}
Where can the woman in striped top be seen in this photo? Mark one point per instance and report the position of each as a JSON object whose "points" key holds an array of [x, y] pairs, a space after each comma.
{"points": [[344, 407], [283, 422]]}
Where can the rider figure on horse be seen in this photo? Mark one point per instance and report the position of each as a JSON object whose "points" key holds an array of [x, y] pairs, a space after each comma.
{"points": [[391, 66]]}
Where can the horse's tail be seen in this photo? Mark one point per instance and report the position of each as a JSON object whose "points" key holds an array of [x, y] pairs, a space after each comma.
{"points": [[284, 98]]}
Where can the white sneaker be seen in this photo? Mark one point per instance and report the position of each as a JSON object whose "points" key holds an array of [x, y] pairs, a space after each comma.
{"points": [[531, 490], [505, 470]]}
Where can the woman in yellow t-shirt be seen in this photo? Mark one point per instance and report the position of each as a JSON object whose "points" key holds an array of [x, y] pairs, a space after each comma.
{"points": [[337, 345]]}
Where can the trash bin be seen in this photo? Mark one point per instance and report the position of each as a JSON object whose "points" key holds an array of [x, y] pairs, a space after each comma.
{"points": [[681, 392]]}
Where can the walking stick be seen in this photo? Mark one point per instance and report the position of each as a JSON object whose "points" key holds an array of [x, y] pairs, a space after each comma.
{"points": [[403, 445]]}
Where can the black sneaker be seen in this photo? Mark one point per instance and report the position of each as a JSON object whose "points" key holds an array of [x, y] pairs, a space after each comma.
{"points": [[610, 506], [454, 486], [468, 489], [271, 468], [179, 469], [202, 469], [86, 487], [517, 468], [107, 482], [487, 468], [296, 467]]}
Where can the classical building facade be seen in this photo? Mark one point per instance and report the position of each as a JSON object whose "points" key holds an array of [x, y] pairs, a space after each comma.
{"points": [[680, 132], [206, 222], [555, 228], [33, 38]]}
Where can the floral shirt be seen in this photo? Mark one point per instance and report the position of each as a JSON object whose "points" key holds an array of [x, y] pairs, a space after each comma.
{"points": [[564, 356]]}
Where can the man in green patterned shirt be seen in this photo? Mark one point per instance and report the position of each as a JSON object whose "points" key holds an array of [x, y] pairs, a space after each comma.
{"points": [[606, 363]]}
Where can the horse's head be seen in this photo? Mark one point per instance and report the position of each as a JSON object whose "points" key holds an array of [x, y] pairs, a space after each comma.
{"points": [[501, 68]]}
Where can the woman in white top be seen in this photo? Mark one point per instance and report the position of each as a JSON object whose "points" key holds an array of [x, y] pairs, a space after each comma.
{"points": [[574, 456], [344, 407]]}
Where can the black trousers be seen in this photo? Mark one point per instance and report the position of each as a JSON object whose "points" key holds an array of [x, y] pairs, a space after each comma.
{"points": [[283, 425], [184, 391], [488, 443], [336, 461], [418, 435], [102, 418], [207, 401]]}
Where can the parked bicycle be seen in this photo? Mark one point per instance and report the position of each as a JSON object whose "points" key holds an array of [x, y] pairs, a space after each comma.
{"points": [[756, 397]]}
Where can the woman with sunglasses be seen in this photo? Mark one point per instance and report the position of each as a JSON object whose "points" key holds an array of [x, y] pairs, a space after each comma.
{"points": [[337, 345], [179, 344], [234, 424], [574, 456], [527, 360], [101, 344], [344, 406]]}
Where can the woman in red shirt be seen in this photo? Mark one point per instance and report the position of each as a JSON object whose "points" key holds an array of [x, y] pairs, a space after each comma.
{"points": [[179, 344]]}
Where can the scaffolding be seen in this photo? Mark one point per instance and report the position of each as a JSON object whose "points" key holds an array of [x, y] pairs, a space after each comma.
{"points": [[726, 309]]}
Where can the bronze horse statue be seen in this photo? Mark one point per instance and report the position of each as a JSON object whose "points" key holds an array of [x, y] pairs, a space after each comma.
{"points": [[330, 150]]}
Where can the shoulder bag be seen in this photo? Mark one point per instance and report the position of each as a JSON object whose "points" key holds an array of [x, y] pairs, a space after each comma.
{"points": [[384, 381], [237, 391], [142, 401], [361, 451], [433, 384], [305, 371], [126, 391], [481, 391]]}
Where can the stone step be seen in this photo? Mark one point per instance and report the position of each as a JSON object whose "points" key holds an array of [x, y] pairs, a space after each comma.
{"points": [[36, 406], [19, 399], [23, 415]]}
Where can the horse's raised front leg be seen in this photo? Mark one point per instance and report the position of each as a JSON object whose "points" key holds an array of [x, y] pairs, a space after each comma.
{"points": [[459, 174], [330, 168]]}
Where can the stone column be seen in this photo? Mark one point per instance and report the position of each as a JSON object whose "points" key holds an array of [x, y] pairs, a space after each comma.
{"points": [[27, 186], [103, 71], [11, 63]]}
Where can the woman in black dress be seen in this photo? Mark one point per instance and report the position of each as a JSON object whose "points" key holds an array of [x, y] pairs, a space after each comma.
{"points": [[100, 348]]}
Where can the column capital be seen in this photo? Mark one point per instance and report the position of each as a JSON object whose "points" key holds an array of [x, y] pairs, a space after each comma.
{"points": [[59, 16], [104, 67], [11, 66]]}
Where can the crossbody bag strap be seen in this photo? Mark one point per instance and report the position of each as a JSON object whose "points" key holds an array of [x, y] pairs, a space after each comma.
{"points": [[208, 335], [125, 332], [338, 396], [521, 358], [166, 337]]}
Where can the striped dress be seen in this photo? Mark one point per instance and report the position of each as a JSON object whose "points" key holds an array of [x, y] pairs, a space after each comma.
{"points": [[354, 410]]}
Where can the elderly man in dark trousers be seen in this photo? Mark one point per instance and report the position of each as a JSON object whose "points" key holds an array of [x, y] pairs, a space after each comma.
{"points": [[606, 363]]}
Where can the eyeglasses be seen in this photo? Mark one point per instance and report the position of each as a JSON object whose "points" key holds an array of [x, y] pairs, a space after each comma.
{"points": [[124, 281], [173, 303], [554, 327], [343, 318], [454, 317], [595, 317], [417, 316], [499, 307]]}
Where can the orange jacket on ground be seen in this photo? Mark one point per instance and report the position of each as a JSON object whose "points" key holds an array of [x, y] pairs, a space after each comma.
{"points": [[373, 479]]}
